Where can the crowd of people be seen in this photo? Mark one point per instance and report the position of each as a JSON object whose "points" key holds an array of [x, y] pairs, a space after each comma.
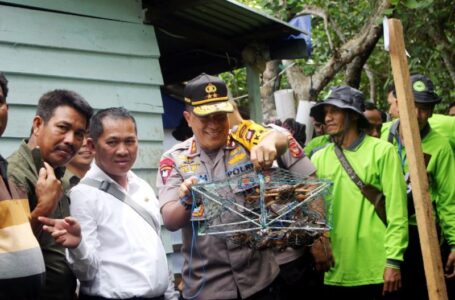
{"points": [[78, 223]]}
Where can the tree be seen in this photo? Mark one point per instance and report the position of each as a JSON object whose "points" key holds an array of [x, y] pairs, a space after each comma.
{"points": [[348, 46]]}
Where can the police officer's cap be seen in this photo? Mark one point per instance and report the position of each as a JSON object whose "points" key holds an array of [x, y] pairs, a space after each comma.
{"points": [[207, 94], [344, 97]]}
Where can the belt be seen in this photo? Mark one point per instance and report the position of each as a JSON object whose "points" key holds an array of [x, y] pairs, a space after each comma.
{"points": [[87, 297]]}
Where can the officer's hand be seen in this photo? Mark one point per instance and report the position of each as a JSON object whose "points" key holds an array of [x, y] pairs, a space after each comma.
{"points": [[450, 266], [322, 254], [185, 189], [66, 232], [48, 191], [392, 280], [263, 155]]}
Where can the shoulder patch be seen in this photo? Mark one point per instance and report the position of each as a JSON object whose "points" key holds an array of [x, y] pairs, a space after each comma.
{"points": [[294, 148], [166, 166]]}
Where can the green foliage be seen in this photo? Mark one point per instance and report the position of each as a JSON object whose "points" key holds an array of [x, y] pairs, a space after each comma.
{"points": [[417, 16]]}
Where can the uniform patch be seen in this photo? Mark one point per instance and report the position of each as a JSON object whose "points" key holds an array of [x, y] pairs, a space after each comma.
{"points": [[294, 148], [193, 148], [249, 135], [166, 166], [236, 158], [189, 167]]}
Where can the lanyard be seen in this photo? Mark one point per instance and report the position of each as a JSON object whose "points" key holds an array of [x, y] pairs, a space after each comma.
{"points": [[401, 153]]}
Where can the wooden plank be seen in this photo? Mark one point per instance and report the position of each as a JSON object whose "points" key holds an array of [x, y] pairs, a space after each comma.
{"points": [[254, 94], [26, 90], [419, 181], [123, 10], [80, 65], [55, 30]]}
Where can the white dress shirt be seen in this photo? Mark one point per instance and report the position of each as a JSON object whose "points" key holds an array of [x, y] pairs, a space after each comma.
{"points": [[120, 255]]}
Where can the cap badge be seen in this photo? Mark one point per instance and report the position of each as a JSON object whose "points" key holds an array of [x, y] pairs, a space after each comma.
{"points": [[211, 89], [419, 86]]}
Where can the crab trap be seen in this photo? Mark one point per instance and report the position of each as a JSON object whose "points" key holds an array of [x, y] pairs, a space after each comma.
{"points": [[273, 208]]}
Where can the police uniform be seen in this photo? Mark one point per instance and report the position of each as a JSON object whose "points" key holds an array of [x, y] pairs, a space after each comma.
{"points": [[214, 268]]}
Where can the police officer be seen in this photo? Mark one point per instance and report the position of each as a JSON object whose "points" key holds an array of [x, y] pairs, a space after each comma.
{"points": [[219, 268]]}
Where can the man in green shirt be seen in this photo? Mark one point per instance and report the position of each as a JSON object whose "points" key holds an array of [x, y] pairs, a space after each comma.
{"points": [[367, 251], [58, 130], [444, 125], [440, 165]]}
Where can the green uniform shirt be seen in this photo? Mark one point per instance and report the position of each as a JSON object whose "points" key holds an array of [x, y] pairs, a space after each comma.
{"points": [[361, 243], [316, 144], [445, 126], [441, 176], [60, 281]]}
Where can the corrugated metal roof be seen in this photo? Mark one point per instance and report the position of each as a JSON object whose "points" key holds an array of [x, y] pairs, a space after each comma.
{"points": [[197, 36]]}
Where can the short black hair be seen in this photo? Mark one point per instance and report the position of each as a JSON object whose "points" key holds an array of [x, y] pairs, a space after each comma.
{"points": [[56, 98], [96, 122], [370, 106], [4, 84]]}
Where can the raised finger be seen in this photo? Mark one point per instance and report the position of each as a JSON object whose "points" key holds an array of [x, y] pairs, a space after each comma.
{"points": [[49, 171], [46, 221], [58, 233]]}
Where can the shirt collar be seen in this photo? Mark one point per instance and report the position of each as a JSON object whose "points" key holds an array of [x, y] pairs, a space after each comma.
{"points": [[357, 142], [97, 173], [3, 168], [194, 148], [27, 154]]}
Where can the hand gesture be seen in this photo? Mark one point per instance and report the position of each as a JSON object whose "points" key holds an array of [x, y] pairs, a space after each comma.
{"points": [[322, 254], [392, 280], [185, 189], [48, 191], [263, 155], [66, 232]]}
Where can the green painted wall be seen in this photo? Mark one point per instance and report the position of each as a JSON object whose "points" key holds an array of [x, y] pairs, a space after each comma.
{"points": [[98, 48], [109, 62]]}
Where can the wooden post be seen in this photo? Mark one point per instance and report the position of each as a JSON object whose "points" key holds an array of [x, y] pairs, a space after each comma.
{"points": [[419, 181], [254, 94]]}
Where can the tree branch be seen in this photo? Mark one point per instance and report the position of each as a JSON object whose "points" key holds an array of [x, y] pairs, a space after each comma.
{"points": [[361, 42]]}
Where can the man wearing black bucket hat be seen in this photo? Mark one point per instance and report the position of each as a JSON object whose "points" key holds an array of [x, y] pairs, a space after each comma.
{"points": [[440, 165], [368, 240], [214, 268]]}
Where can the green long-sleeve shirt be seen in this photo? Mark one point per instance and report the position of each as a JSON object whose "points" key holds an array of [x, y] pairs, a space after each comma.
{"points": [[441, 176], [361, 243], [316, 144]]}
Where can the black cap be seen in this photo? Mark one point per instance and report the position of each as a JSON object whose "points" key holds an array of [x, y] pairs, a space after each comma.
{"points": [[208, 95], [423, 90], [344, 97]]}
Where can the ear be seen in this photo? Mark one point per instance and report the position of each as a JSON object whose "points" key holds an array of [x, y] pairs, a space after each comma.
{"points": [[187, 117], [91, 144], [38, 122]]}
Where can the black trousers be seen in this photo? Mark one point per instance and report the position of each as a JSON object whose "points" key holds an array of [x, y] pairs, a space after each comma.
{"points": [[298, 276], [363, 292], [23, 288], [413, 273]]}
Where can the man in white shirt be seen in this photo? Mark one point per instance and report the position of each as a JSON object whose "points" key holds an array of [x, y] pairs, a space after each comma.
{"points": [[120, 255]]}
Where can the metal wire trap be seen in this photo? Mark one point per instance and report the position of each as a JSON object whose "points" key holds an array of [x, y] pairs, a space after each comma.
{"points": [[274, 208]]}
